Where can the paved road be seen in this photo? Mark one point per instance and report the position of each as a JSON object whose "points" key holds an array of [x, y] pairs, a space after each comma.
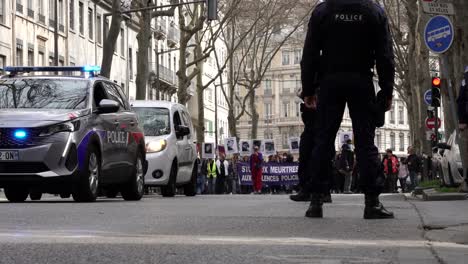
{"points": [[211, 229]]}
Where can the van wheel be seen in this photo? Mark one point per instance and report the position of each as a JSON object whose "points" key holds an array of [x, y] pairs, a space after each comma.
{"points": [[190, 189], [170, 189], [133, 190], [88, 181], [16, 194], [35, 196]]}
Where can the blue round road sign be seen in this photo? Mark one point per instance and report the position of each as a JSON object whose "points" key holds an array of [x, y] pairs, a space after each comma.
{"points": [[428, 97], [439, 34]]}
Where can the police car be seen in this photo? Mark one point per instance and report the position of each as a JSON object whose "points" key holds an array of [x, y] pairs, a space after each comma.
{"points": [[68, 135]]}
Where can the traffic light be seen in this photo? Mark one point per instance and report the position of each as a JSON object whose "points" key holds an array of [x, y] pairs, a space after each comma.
{"points": [[436, 82], [212, 6]]}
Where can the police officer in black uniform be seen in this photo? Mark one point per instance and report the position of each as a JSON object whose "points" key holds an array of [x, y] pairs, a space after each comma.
{"points": [[345, 40]]}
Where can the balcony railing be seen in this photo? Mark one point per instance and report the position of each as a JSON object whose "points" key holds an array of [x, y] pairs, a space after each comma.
{"points": [[161, 30], [19, 8], [42, 19], [173, 36], [30, 13], [268, 92], [167, 75]]}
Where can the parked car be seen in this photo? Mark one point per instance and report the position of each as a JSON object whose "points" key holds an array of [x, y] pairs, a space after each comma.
{"points": [[68, 135], [450, 168], [170, 149]]}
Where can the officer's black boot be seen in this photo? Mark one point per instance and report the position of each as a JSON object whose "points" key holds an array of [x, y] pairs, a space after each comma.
{"points": [[301, 196], [374, 209], [327, 198], [315, 209]]}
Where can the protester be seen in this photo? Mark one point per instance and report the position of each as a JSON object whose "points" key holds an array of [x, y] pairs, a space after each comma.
{"points": [[414, 166], [256, 167], [403, 174], [346, 165], [233, 174], [212, 173], [223, 171], [391, 164], [202, 169]]}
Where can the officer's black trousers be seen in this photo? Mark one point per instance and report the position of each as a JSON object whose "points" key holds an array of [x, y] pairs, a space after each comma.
{"points": [[337, 90]]}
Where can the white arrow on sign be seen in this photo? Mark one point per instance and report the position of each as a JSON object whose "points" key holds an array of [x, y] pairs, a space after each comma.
{"points": [[432, 7]]}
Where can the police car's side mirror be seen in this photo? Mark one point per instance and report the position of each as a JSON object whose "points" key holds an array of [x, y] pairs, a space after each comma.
{"points": [[182, 131], [107, 106]]}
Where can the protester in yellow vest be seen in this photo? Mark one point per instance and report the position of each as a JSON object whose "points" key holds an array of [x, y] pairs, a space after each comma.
{"points": [[212, 173]]}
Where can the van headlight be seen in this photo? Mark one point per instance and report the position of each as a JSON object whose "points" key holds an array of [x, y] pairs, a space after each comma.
{"points": [[156, 146], [62, 127]]}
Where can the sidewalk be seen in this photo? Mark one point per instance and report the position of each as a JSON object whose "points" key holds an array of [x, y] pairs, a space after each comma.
{"points": [[445, 221]]}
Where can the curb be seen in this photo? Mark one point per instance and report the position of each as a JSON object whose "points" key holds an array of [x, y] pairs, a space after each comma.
{"points": [[433, 195]]}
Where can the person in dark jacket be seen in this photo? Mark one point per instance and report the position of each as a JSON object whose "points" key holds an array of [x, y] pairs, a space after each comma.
{"points": [[391, 165], [346, 165], [462, 103], [345, 40], [414, 167]]}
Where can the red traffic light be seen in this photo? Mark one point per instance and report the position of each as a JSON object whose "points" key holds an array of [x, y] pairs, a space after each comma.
{"points": [[436, 81]]}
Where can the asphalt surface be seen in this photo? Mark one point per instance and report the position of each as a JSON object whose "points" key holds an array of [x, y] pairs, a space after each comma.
{"points": [[213, 229]]}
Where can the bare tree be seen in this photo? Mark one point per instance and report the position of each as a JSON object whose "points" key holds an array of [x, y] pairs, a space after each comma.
{"points": [[143, 38], [277, 22]]}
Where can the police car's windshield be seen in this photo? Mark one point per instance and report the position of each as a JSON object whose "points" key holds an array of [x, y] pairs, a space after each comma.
{"points": [[154, 121], [38, 93]]}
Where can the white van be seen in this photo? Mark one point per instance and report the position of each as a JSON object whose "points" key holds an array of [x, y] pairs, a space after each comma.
{"points": [[170, 149]]}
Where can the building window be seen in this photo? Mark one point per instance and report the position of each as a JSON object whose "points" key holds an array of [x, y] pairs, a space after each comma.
{"points": [[130, 63], [99, 29], [392, 115], [268, 111], [31, 55], [298, 109], [401, 115], [402, 142], [122, 43], [210, 95], [285, 140], [60, 16], [30, 9], [2, 61], [392, 141], [51, 13], [40, 7], [409, 140], [72, 14], [267, 84], [41, 58], [19, 6], [297, 56], [90, 24], [81, 17], [2, 11], [19, 53], [378, 140], [286, 109], [286, 57]]}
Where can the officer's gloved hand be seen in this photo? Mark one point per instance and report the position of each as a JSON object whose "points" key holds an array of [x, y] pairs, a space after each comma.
{"points": [[379, 107]]}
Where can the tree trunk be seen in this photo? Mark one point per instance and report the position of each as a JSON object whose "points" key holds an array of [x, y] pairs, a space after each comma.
{"points": [[200, 95], [111, 39], [143, 37], [254, 113], [232, 123]]}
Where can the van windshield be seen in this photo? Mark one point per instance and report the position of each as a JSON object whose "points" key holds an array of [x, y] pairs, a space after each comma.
{"points": [[154, 121]]}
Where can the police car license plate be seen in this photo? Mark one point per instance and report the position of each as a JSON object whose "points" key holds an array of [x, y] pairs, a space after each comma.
{"points": [[9, 155]]}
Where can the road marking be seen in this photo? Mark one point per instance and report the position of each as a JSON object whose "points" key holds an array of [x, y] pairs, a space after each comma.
{"points": [[112, 238]]}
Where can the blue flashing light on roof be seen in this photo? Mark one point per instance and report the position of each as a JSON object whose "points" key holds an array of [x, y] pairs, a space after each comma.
{"points": [[91, 68], [87, 68], [20, 134]]}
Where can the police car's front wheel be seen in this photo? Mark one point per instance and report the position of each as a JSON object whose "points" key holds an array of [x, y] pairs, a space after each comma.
{"points": [[134, 189], [86, 189], [16, 194]]}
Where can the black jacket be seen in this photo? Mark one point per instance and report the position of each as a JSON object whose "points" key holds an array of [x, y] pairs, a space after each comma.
{"points": [[462, 101], [347, 36], [414, 163]]}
